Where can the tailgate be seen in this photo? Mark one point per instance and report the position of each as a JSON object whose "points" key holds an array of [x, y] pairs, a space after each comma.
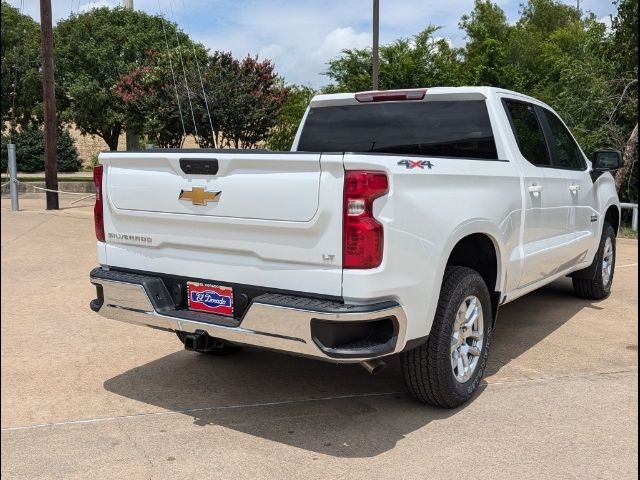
{"points": [[260, 186], [265, 219]]}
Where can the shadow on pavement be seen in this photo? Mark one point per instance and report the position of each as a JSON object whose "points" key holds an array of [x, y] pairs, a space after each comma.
{"points": [[527, 321], [360, 425]]}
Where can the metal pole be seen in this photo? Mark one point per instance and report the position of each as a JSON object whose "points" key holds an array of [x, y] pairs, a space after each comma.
{"points": [[132, 140], [634, 219], [49, 99], [375, 73], [13, 176]]}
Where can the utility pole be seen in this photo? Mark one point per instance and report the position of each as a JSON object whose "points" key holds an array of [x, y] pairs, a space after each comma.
{"points": [[132, 140], [376, 40], [49, 99]]}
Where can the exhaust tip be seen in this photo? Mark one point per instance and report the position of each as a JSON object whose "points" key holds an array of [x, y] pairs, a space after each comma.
{"points": [[373, 366]]}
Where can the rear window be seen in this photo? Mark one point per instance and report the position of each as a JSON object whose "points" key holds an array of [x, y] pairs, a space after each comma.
{"points": [[458, 129]]}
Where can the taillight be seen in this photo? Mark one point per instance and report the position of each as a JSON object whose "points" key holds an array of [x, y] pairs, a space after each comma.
{"points": [[362, 235], [98, 217], [391, 95]]}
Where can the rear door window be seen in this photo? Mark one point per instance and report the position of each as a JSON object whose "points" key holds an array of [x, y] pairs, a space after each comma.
{"points": [[566, 153], [528, 132], [455, 129]]}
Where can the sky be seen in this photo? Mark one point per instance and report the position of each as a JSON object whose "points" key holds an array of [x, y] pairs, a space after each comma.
{"points": [[301, 36]]}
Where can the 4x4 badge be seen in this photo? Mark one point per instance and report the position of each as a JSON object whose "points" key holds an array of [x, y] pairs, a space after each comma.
{"points": [[409, 164]]}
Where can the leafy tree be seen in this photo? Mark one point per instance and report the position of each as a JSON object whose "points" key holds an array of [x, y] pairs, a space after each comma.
{"points": [[93, 51], [21, 86], [486, 51], [571, 62], [157, 100], [242, 103], [420, 61], [30, 147], [282, 134], [624, 52], [245, 97]]}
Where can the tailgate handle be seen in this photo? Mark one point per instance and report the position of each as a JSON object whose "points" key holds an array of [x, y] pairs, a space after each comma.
{"points": [[199, 166]]}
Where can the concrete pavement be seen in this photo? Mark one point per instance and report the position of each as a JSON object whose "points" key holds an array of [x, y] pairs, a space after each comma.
{"points": [[84, 397]]}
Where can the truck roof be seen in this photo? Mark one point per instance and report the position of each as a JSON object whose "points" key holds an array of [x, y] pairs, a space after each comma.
{"points": [[460, 93]]}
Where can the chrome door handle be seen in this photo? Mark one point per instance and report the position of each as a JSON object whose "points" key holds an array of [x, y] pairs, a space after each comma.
{"points": [[574, 188], [535, 188]]}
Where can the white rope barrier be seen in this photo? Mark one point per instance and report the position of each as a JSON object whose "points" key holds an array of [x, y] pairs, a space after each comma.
{"points": [[56, 191], [85, 194]]}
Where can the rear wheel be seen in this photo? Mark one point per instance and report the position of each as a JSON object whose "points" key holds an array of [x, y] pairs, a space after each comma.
{"points": [[599, 287], [447, 369], [214, 346]]}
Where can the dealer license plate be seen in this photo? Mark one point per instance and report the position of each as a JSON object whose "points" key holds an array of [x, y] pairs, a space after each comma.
{"points": [[210, 298]]}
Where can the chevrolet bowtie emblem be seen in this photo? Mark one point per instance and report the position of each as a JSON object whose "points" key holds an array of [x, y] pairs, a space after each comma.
{"points": [[199, 196]]}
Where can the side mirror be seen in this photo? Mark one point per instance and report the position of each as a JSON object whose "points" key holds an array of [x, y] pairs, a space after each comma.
{"points": [[606, 160]]}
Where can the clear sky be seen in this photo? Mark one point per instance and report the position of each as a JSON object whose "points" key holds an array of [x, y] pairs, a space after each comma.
{"points": [[300, 36]]}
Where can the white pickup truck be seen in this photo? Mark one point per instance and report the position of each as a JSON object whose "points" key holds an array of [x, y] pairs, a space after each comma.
{"points": [[398, 224]]}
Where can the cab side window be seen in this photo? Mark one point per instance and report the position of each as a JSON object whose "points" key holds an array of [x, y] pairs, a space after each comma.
{"points": [[566, 153], [528, 133]]}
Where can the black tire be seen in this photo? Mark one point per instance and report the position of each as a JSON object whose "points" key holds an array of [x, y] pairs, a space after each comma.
{"points": [[427, 369], [596, 288], [215, 346]]}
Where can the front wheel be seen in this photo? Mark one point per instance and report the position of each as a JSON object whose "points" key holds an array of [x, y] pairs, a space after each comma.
{"points": [[447, 369], [599, 287]]}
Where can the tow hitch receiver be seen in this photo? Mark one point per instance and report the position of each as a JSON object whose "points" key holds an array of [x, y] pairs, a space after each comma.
{"points": [[199, 340]]}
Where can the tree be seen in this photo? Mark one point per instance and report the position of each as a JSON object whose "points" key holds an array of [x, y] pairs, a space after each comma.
{"points": [[282, 134], [93, 51], [567, 60], [486, 51], [245, 97], [29, 142], [157, 101], [21, 86], [420, 61], [152, 107], [624, 52], [238, 105]]}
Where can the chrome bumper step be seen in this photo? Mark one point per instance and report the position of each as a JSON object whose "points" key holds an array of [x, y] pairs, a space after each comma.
{"points": [[272, 321]]}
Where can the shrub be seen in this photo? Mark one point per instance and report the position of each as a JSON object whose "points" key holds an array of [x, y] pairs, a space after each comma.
{"points": [[30, 151]]}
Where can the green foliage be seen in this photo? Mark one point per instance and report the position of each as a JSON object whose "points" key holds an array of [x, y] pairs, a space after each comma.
{"points": [[571, 62], [245, 98], [282, 134], [406, 63], [30, 151], [20, 60], [93, 51]]}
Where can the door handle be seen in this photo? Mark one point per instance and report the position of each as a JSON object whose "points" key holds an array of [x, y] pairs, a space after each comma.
{"points": [[574, 188], [535, 188]]}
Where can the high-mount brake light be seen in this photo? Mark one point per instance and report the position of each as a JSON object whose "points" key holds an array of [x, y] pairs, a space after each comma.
{"points": [[391, 95], [98, 215], [362, 234]]}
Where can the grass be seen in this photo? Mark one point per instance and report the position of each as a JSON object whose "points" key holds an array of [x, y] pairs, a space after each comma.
{"points": [[626, 232]]}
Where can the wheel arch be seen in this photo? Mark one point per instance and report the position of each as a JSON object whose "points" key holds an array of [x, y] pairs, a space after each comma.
{"points": [[612, 216], [480, 251]]}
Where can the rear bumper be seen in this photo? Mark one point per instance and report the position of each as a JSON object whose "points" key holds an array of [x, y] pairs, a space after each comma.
{"points": [[309, 327]]}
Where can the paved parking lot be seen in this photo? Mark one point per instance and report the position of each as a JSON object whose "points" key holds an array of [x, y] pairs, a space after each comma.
{"points": [[84, 397]]}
